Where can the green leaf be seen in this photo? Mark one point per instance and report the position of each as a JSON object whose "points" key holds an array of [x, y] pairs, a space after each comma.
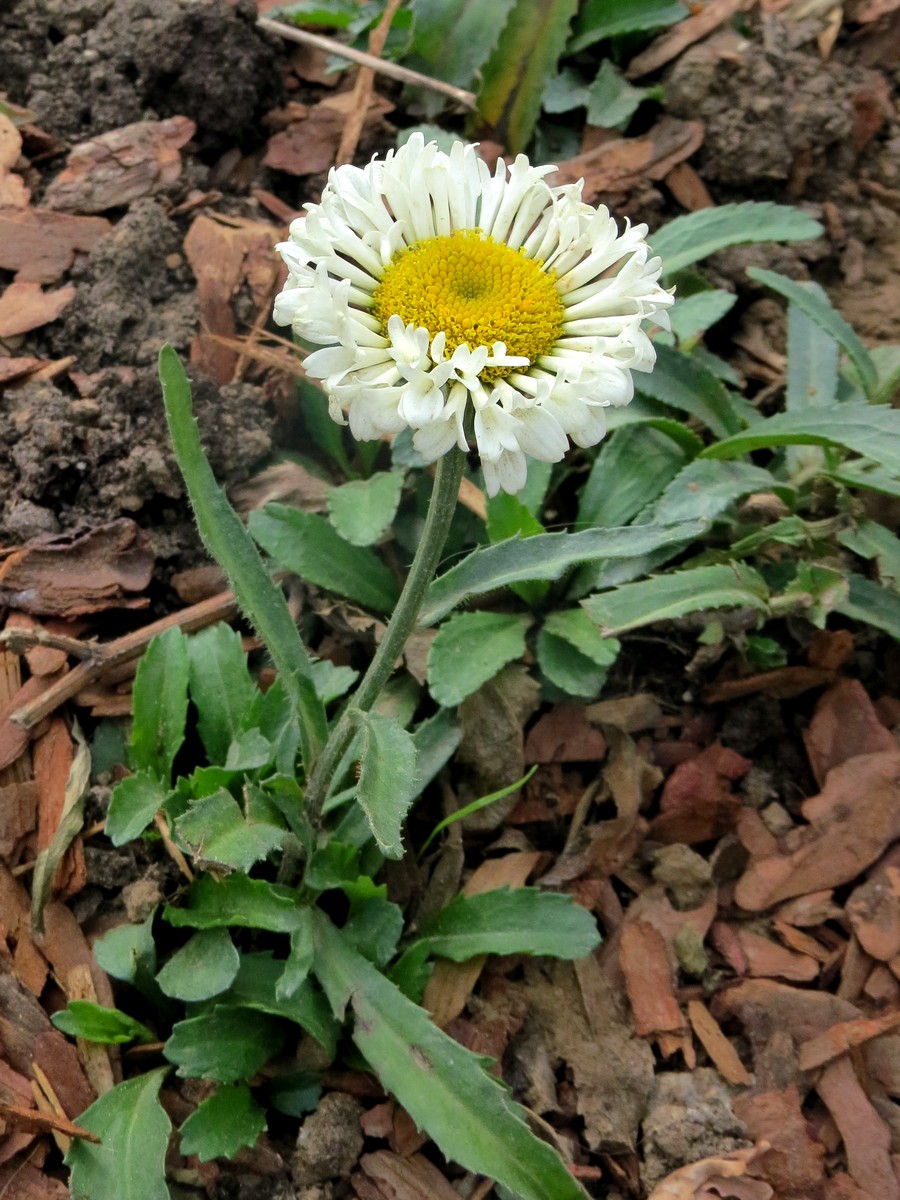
{"points": [[452, 39], [160, 704], [204, 967], [508, 517], [94, 1023], [475, 806], [225, 1043], [668, 596], [222, 1124], [225, 537], [603, 19], [70, 823], [218, 832], [868, 539], [812, 366], [706, 487], [872, 604], [689, 238], [387, 780], [685, 383], [374, 928], [133, 805], [311, 548], [887, 364], [630, 471], [574, 654], [128, 952], [220, 685], [545, 557], [611, 99], [860, 473], [870, 430], [443, 1087], [332, 681], [257, 988], [525, 58], [814, 592], [237, 900], [469, 650], [362, 510], [299, 960], [130, 1162], [815, 303], [436, 739], [336, 14], [512, 921], [693, 315]]}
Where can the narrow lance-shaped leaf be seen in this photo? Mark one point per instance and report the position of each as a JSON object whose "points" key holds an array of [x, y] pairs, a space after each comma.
{"points": [[817, 306], [870, 430], [160, 704], [669, 596], [229, 543], [515, 75], [221, 687], [512, 921], [546, 556], [698, 234], [686, 384], [443, 1087], [452, 39]]}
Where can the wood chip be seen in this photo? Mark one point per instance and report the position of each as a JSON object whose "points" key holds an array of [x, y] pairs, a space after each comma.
{"points": [[24, 306], [844, 725], [684, 1183], [866, 1138], [564, 735], [840, 1038], [622, 163], [42, 1122], [792, 1161], [407, 1178], [716, 1044], [766, 958], [123, 165], [645, 964], [40, 245], [697, 802]]}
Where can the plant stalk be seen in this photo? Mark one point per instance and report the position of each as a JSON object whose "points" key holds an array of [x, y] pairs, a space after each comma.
{"points": [[428, 553]]}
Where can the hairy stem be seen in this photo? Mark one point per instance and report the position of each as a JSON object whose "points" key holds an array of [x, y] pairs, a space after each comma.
{"points": [[402, 623]]}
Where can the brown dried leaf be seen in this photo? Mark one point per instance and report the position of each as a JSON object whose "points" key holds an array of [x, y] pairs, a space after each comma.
{"points": [[309, 145], [412, 1178], [41, 245], [844, 725], [854, 818], [564, 735], [223, 252], [622, 163], [629, 713], [22, 1181], [684, 1183], [284, 483], [78, 572], [24, 306], [678, 37], [123, 165]]}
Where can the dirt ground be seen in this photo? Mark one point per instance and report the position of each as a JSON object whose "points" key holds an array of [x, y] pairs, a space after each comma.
{"points": [[244, 127]]}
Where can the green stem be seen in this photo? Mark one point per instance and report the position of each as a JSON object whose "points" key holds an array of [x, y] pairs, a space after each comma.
{"points": [[428, 554]]}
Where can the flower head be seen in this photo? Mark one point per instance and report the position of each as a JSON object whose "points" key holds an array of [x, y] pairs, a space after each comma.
{"points": [[457, 302]]}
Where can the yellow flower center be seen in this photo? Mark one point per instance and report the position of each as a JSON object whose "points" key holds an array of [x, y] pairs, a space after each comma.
{"points": [[476, 291]]}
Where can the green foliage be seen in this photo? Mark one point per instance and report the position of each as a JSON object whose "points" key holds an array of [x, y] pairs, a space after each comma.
{"points": [[313, 549], [205, 966], [160, 704], [469, 650], [599, 19], [218, 833], [362, 510], [696, 235], [129, 1163], [223, 1124], [387, 779], [519, 921], [94, 1023], [443, 1087]]}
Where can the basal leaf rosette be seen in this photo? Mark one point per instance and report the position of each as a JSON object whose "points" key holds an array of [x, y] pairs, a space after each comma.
{"points": [[463, 303]]}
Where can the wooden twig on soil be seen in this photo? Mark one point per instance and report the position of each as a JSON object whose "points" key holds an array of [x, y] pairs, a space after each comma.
{"points": [[104, 656], [392, 70], [362, 90]]}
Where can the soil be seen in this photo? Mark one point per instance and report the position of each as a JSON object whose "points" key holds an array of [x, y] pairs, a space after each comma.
{"points": [[90, 445]]}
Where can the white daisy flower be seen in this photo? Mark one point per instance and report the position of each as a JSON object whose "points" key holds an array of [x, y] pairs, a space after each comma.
{"points": [[463, 304]]}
